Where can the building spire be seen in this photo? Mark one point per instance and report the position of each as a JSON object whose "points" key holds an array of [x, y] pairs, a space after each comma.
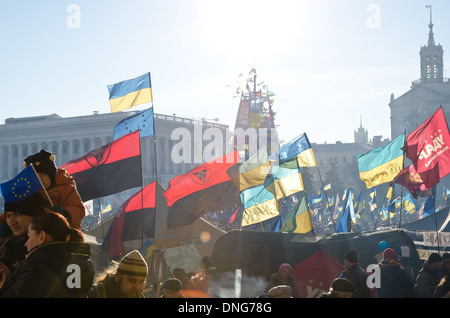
{"points": [[431, 34]]}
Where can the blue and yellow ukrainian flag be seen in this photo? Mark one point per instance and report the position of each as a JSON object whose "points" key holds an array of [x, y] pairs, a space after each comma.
{"points": [[284, 180], [259, 205], [299, 218], [299, 148], [129, 93], [382, 164]]}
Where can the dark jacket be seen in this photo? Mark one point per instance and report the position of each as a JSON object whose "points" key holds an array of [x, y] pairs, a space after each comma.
{"points": [[275, 280], [13, 251], [426, 281], [358, 277], [395, 282], [54, 270]]}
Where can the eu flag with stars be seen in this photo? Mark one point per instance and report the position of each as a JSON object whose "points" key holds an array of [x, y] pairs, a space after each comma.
{"points": [[22, 186], [142, 121]]}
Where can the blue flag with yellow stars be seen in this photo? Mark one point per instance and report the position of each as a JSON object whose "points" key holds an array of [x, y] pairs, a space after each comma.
{"points": [[22, 186]]}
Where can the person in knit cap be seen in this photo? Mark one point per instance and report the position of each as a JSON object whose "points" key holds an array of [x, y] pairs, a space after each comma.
{"points": [[394, 282], [172, 288], [429, 276], [340, 288], [284, 277], [18, 216], [125, 279], [355, 274], [60, 186]]}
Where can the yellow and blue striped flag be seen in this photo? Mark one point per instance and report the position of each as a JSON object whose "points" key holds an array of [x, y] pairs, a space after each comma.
{"points": [[299, 148], [129, 93], [382, 164]]}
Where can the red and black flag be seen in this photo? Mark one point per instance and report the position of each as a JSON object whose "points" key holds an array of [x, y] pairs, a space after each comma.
{"points": [[109, 169], [205, 189], [132, 222]]}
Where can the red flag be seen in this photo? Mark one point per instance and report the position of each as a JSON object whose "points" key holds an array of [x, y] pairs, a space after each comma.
{"points": [[132, 222], [205, 189], [411, 180], [109, 169], [427, 148]]}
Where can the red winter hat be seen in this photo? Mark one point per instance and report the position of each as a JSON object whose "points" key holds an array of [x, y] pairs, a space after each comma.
{"points": [[389, 253]]}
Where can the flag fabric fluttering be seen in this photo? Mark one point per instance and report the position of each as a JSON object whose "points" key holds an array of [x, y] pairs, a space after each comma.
{"points": [[285, 179], [428, 149], [21, 186], [411, 180], [142, 120], [135, 220], [382, 164], [254, 170], [129, 93], [259, 205], [110, 169], [299, 218], [299, 148], [205, 189], [345, 222]]}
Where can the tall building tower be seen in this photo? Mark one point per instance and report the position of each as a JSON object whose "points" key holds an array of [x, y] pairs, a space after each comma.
{"points": [[431, 59], [426, 95]]}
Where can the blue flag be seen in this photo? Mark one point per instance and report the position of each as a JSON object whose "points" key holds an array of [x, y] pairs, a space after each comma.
{"points": [[22, 186], [142, 121]]}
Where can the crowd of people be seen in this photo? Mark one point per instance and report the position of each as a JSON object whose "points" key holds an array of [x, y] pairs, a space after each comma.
{"points": [[43, 254]]}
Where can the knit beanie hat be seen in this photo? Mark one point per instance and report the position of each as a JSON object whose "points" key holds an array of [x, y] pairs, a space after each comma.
{"points": [[352, 255], [433, 258], [389, 253], [31, 206], [283, 266], [343, 285], [133, 264], [173, 284], [43, 162]]}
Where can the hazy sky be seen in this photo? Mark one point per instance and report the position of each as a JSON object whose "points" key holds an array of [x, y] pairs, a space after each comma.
{"points": [[330, 62]]}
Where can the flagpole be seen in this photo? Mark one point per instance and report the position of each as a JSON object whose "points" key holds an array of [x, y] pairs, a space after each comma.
{"points": [[433, 195], [42, 185], [401, 198], [101, 215]]}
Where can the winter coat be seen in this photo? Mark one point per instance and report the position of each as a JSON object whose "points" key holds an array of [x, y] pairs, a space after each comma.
{"points": [[395, 282], [275, 280], [47, 272], [13, 251], [107, 288], [358, 277], [426, 281], [64, 194]]}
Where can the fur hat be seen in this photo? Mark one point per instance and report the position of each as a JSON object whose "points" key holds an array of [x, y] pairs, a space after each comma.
{"points": [[280, 291], [31, 206], [43, 162], [133, 264]]}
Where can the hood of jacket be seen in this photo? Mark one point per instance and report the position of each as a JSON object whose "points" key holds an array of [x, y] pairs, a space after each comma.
{"points": [[70, 261]]}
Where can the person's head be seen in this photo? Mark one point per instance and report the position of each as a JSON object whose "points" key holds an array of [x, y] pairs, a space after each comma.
{"points": [[172, 288], [44, 164], [342, 288], [50, 227], [389, 254], [19, 214], [446, 261], [285, 271], [435, 262], [131, 275], [280, 291], [351, 257]]}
